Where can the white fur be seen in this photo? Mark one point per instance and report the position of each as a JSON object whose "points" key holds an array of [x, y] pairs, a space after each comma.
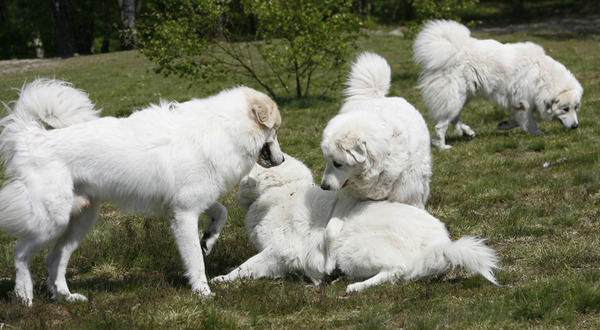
{"points": [[519, 77], [380, 241], [175, 158], [381, 143], [286, 220]]}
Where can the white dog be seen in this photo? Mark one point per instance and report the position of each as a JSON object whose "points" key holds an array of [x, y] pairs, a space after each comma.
{"points": [[286, 220], [377, 147], [519, 77], [381, 241], [61, 161]]}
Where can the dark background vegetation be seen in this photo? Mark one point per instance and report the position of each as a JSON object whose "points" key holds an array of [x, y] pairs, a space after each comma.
{"points": [[68, 27]]}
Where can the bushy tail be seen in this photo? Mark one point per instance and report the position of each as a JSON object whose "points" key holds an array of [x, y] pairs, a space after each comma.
{"points": [[438, 43], [44, 104], [369, 78], [468, 252]]}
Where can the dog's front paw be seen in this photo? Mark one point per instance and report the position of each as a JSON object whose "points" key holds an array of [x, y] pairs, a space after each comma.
{"points": [[538, 133], [208, 241], [218, 279], [203, 291], [75, 297], [356, 287]]}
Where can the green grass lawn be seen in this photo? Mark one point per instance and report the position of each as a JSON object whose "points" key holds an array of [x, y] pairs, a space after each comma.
{"points": [[543, 222]]}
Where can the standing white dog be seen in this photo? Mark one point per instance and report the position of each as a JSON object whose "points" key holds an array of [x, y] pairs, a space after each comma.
{"points": [[61, 161], [380, 242], [519, 77]]}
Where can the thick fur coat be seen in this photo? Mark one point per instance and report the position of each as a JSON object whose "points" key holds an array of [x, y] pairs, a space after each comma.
{"points": [[377, 147], [177, 159], [380, 241], [519, 77]]}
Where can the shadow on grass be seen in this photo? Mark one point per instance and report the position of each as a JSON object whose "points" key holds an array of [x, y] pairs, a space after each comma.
{"points": [[6, 287]]}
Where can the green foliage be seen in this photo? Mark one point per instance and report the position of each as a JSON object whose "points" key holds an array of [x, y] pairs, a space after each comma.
{"points": [[439, 9], [294, 42]]}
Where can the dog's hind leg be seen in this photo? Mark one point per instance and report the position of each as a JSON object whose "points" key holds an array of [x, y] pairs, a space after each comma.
{"points": [[184, 226], [25, 249], [58, 259], [438, 138], [382, 277], [218, 216]]}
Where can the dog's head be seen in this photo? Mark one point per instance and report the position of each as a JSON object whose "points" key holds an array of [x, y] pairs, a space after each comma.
{"points": [[266, 115], [261, 179], [565, 107], [354, 149]]}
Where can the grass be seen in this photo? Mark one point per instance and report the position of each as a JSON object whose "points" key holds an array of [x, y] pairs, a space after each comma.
{"points": [[543, 222]]}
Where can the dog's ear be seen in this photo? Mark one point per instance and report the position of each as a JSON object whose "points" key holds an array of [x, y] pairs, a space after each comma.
{"points": [[356, 150], [263, 109]]}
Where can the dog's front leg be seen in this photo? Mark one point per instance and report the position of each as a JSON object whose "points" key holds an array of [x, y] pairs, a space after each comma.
{"points": [[218, 216], [184, 226], [261, 265], [523, 115]]}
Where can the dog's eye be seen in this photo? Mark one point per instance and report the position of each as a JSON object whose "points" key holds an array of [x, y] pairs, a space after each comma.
{"points": [[336, 164], [566, 109]]}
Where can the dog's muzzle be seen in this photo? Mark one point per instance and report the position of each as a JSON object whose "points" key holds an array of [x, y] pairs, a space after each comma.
{"points": [[265, 159]]}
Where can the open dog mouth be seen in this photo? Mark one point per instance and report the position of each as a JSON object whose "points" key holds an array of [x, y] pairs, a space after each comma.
{"points": [[264, 159]]}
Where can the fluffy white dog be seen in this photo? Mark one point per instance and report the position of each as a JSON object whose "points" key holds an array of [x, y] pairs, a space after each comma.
{"points": [[380, 242], [377, 147], [286, 220], [519, 77], [61, 161]]}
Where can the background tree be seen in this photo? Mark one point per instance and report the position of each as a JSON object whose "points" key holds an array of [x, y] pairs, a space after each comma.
{"points": [[281, 44]]}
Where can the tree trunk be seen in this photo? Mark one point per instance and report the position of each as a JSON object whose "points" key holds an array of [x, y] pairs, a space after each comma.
{"points": [[129, 33], [85, 27], [62, 31], [107, 27]]}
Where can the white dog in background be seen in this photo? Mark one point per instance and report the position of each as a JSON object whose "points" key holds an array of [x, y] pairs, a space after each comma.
{"points": [[61, 161], [519, 77], [377, 147], [380, 242]]}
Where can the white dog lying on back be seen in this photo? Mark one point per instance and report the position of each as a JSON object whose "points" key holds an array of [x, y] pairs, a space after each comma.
{"points": [[380, 241], [519, 77]]}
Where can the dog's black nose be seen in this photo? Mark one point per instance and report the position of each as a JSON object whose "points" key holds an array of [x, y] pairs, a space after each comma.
{"points": [[325, 186], [574, 126]]}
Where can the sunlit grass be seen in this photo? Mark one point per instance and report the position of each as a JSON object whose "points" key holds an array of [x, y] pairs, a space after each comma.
{"points": [[542, 221]]}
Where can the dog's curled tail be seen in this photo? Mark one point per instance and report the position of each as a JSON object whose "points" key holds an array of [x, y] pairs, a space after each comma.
{"points": [[52, 104], [468, 252], [438, 44], [369, 78]]}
